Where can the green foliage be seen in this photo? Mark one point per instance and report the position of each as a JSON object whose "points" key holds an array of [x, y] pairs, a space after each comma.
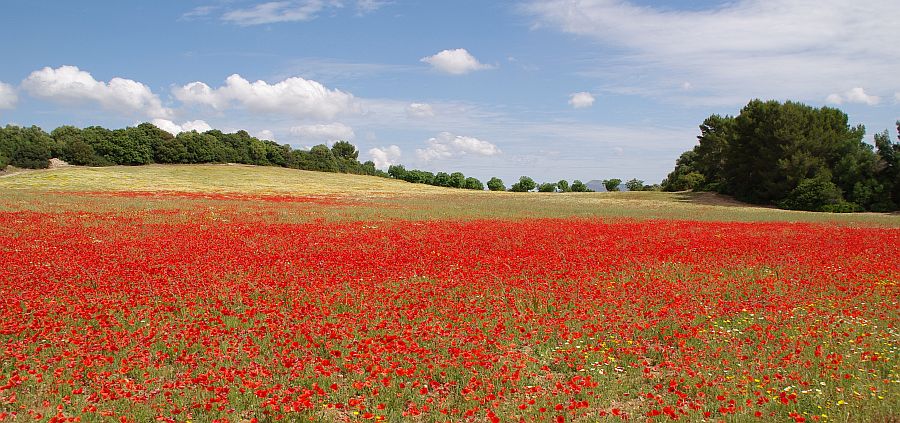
{"points": [[442, 179], [26, 147], [563, 186], [496, 184], [474, 184], [634, 185], [525, 184], [457, 180], [764, 153], [547, 187], [345, 150], [4, 162], [31, 156], [612, 184], [813, 195], [578, 186]]}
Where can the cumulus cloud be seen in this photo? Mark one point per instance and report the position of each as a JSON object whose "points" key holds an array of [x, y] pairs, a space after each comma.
{"points": [[740, 49], [853, 95], [447, 145], [293, 96], [581, 100], [419, 110], [323, 132], [455, 62], [386, 156], [175, 129], [70, 85], [266, 134], [8, 96]]}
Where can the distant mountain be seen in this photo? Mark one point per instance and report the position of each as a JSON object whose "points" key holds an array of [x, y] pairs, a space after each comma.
{"points": [[597, 185]]}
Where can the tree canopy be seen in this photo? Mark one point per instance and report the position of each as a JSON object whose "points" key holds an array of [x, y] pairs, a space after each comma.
{"points": [[770, 149]]}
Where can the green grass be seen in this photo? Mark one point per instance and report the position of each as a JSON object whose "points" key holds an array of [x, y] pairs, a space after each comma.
{"points": [[382, 198]]}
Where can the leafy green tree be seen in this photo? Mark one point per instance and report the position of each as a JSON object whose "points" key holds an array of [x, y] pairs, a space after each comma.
{"points": [[496, 184], [634, 185], [525, 184], [612, 184], [715, 137], [442, 179], [815, 194], [563, 186], [474, 184], [4, 162], [547, 187], [578, 186], [26, 147], [457, 180], [31, 155], [345, 150], [888, 171], [322, 159], [397, 172]]}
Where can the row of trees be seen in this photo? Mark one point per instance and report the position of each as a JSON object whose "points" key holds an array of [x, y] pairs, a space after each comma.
{"points": [[793, 156], [144, 144], [439, 179], [526, 184]]}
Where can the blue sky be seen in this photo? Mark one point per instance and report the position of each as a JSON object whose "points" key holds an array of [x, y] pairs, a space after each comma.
{"points": [[553, 89]]}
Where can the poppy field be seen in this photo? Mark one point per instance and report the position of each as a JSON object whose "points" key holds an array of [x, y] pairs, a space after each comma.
{"points": [[137, 306]]}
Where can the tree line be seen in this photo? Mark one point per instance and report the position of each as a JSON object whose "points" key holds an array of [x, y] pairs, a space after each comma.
{"points": [[32, 148], [793, 156], [145, 143]]}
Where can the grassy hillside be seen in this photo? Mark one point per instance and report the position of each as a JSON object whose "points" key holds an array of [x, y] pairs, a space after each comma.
{"points": [[373, 197]]}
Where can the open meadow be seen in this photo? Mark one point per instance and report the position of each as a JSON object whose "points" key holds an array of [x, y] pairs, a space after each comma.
{"points": [[250, 294]]}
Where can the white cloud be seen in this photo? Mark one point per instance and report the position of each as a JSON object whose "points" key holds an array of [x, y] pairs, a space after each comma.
{"points": [[447, 145], [266, 134], [287, 11], [834, 99], [581, 100], [419, 110], [275, 11], [897, 97], [455, 62], [854, 95], [324, 132], [175, 129], [8, 96], [70, 85], [385, 157], [293, 96], [368, 6], [741, 49]]}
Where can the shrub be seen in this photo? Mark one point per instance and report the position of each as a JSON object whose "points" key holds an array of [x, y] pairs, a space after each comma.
{"points": [[816, 194], [3, 162], [525, 184], [31, 156], [496, 184]]}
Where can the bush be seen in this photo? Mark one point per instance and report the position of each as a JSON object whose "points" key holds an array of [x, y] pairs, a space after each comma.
{"points": [[31, 156], [3, 162], [525, 184], [496, 184], [547, 187], [474, 184], [578, 186], [612, 184], [817, 194]]}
